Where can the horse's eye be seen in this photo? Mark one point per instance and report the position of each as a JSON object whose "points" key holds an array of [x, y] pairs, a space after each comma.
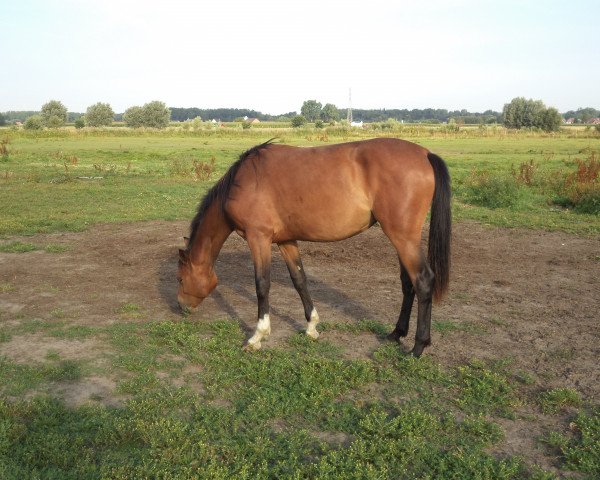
{"points": [[180, 281]]}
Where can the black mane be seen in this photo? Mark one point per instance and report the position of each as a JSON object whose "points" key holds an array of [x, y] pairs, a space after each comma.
{"points": [[220, 190]]}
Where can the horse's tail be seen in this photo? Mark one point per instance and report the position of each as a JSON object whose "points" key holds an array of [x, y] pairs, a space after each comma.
{"points": [[440, 227]]}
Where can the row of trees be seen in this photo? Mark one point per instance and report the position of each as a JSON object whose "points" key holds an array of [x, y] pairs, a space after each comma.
{"points": [[54, 114], [519, 113]]}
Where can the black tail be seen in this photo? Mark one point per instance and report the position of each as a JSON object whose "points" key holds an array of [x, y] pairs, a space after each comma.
{"points": [[440, 227]]}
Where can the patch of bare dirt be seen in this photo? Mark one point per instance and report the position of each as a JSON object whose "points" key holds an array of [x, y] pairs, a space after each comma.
{"points": [[534, 296], [34, 348]]}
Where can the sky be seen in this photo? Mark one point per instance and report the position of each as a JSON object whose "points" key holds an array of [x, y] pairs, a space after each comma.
{"points": [[272, 55]]}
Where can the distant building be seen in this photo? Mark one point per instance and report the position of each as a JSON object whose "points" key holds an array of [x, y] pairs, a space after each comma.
{"points": [[570, 121], [251, 120], [594, 121], [357, 124]]}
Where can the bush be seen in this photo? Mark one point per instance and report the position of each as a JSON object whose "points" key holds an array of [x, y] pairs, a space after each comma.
{"points": [[491, 191], [79, 123], [298, 121], [152, 115], [99, 115], [54, 114], [319, 124], [35, 122], [523, 113], [581, 189]]}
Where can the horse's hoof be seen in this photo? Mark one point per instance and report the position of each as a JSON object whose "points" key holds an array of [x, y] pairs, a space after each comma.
{"points": [[393, 337], [252, 347], [313, 334]]}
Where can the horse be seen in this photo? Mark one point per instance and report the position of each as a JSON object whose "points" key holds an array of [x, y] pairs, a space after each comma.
{"points": [[282, 194]]}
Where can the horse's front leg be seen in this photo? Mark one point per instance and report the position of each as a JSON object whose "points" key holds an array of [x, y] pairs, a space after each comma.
{"points": [[291, 255], [260, 247]]}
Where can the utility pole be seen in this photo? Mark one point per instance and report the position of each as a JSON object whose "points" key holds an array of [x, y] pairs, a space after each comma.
{"points": [[349, 112]]}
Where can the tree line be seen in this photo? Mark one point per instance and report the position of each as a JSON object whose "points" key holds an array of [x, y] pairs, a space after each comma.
{"points": [[518, 113]]}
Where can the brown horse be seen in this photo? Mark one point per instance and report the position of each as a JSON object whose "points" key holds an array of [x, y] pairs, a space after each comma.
{"points": [[280, 194]]}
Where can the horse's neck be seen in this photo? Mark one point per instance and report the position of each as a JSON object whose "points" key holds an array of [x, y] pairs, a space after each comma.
{"points": [[210, 237]]}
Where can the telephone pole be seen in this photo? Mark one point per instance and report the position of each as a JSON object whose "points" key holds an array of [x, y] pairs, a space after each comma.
{"points": [[349, 112]]}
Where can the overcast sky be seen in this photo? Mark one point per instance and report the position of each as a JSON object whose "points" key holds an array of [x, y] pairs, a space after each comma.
{"points": [[273, 55]]}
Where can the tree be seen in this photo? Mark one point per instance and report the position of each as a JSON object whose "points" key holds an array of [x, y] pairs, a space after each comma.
{"points": [[550, 120], [153, 115], [34, 122], [311, 110], [156, 114], [2, 120], [133, 117], [99, 115], [330, 113], [523, 113], [298, 121], [54, 114]]}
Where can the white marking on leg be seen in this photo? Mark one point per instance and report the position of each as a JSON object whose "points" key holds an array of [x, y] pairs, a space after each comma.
{"points": [[263, 329], [311, 330]]}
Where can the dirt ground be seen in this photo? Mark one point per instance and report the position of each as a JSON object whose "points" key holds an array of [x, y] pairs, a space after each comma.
{"points": [[531, 296]]}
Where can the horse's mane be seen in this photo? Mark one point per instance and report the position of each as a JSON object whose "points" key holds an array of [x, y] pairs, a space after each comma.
{"points": [[220, 190]]}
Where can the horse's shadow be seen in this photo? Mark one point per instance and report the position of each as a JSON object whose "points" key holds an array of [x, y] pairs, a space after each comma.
{"points": [[236, 272]]}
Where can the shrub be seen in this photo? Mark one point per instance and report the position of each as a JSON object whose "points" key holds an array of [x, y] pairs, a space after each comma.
{"points": [[319, 124], [581, 189], [4, 151], [298, 121], [79, 123], [526, 172], [491, 191], [99, 115], [35, 122], [54, 114]]}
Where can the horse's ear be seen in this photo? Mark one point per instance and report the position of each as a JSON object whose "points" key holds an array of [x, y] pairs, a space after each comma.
{"points": [[186, 241], [183, 256]]}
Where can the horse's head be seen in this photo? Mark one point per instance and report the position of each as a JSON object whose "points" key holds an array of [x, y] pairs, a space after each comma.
{"points": [[195, 282]]}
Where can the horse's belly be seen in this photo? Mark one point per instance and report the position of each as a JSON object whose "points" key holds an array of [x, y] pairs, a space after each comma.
{"points": [[322, 227]]}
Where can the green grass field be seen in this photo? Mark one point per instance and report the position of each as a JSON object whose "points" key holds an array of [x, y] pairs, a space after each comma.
{"points": [[151, 176], [196, 406]]}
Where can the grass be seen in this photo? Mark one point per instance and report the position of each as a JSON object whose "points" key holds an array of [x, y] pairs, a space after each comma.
{"points": [[69, 180], [197, 406], [557, 399], [20, 247], [294, 412]]}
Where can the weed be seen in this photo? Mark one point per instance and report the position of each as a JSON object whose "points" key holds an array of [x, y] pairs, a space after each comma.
{"points": [[57, 313], [4, 151], [362, 326], [491, 190], [131, 310], [4, 336], [204, 170], [57, 248], [557, 399], [581, 189], [18, 247], [580, 451], [447, 326], [526, 173], [483, 390]]}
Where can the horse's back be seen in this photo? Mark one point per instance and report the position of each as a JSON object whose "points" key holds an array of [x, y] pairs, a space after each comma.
{"points": [[324, 193]]}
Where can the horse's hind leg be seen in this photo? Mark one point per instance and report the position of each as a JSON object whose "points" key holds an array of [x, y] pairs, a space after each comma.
{"points": [[408, 297], [422, 278], [291, 255]]}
